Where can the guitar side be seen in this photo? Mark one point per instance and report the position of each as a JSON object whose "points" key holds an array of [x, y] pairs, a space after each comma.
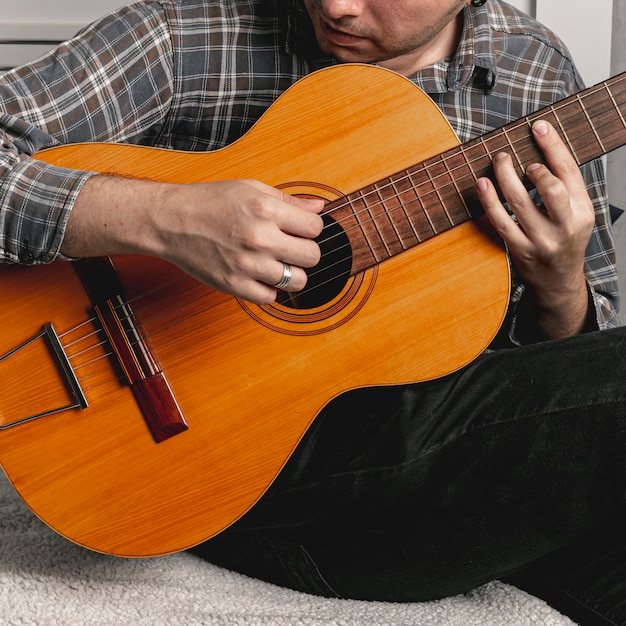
{"points": [[249, 380]]}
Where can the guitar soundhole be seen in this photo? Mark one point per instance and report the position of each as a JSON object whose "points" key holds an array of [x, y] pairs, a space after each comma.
{"points": [[329, 277], [333, 295]]}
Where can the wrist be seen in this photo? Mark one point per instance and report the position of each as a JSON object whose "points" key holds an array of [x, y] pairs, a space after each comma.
{"points": [[557, 313]]}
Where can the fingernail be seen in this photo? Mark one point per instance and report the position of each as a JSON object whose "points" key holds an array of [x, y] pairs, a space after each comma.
{"points": [[533, 167], [540, 127], [313, 201], [481, 185]]}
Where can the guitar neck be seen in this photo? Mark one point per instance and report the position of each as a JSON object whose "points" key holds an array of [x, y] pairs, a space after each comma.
{"points": [[398, 212]]}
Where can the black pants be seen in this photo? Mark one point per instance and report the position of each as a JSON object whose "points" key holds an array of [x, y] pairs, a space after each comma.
{"points": [[514, 466]]}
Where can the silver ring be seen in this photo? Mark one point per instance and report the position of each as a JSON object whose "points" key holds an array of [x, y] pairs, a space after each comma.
{"points": [[285, 278]]}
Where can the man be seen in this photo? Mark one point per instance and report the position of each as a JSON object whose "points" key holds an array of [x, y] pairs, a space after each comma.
{"points": [[399, 493]]}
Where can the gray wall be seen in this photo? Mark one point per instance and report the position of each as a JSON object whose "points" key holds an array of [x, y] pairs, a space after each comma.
{"points": [[617, 159]]}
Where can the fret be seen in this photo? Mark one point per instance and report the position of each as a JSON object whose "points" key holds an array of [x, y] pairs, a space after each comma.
{"points": [[593, 128], [342, 212], [615, 104], [462, 178], [426, 180], [438, 179], [477, 157], [380, 220], [404, 232], [495, 142], [592, 123], [512, 149], [408, 233], [515, 141], [412, 205], [546, 114], [526, 151], [564, 117], [382, 224], [361, 209], [608, 113]]}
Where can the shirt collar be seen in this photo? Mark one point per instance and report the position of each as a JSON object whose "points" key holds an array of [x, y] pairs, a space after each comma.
{"points": [[474, 58]]}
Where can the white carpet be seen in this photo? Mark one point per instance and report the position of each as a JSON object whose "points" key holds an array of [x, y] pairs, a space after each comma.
{"points": [[48, 581]]}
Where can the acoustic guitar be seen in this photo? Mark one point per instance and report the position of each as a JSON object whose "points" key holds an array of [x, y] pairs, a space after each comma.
{"points": [[143, 412]]}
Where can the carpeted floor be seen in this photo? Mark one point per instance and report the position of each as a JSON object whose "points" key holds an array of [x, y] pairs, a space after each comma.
{"points": [[47, 581]]}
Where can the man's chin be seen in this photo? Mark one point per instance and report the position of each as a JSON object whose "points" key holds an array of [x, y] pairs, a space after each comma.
{"points": [[346, 55]]}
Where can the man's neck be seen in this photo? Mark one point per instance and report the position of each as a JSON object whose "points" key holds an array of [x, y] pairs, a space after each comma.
{"points": [[443, 46]]}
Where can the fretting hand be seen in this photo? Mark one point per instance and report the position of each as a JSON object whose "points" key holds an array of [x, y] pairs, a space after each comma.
{"points": [[548, 242]]}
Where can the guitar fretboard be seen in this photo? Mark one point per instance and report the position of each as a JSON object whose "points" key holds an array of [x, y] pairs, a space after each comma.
{"points": [[398, 212]]}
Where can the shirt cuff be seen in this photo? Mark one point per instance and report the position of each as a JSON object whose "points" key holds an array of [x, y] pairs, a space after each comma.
{"points": [[36, 200]]}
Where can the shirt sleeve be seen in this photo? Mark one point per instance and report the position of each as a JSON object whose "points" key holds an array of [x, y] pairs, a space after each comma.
{"points": [[35, 202], [600, 260], [112, 82]]}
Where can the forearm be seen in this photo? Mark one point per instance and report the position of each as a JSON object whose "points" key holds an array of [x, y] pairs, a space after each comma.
{"points": [[114, 215]]}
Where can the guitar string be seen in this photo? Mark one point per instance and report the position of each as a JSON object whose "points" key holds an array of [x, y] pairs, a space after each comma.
{"points": [[420, 168], [462, 150], [453, 153], [127, 318], [121, 377]]}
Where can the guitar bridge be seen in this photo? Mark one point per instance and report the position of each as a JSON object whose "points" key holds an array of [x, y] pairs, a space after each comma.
{"points": [[132, 349], [45, 343]]}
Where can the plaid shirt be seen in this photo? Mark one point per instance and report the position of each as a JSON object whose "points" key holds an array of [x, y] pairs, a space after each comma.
{"points": [[197, 74]]}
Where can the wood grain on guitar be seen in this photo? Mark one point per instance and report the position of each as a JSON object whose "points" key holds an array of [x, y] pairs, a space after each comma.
{"points": [[412, 285]]}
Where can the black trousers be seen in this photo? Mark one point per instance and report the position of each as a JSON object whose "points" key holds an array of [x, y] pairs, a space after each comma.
{"points": [[512, 468]]}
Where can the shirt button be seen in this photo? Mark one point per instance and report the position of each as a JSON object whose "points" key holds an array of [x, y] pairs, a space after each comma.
{"points": [[26, 257]]}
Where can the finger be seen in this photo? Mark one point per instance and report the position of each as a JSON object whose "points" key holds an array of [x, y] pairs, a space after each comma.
{"points": [[291, 278], [314, 205], [299, 216], [238, 284], [553, 191], [257, 292], [530, 218], [299, 219], [557, 154], [498, 215], [263, 290], [561, 184], [299, 223]]}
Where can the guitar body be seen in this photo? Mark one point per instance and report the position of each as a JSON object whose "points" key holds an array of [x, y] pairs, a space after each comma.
{"points": [[249, 380]]}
